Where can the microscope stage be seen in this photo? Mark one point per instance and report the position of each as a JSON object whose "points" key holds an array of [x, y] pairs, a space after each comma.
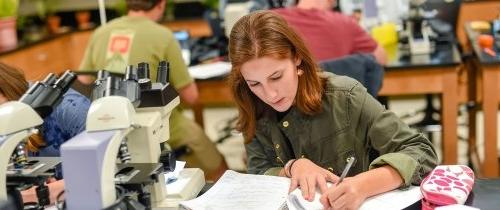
{"points": [[36, 166], [138, 173]]}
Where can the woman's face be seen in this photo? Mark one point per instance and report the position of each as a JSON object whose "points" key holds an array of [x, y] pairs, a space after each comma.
{"points": [[3, 99], [274, 81]]}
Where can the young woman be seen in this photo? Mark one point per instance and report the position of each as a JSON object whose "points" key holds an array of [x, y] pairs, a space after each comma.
{"points": [[66, 120], [307, 124]]}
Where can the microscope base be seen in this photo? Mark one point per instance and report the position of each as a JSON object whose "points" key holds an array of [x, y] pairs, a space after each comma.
{"points": [[186, 187]]}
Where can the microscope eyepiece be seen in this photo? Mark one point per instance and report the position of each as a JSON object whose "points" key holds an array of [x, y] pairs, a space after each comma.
{"points": [[109, 84], [30, 91], [163, 72], [144, 78], [131, 73], [143, 70], [44, 96], [102, 75], [65, 81], [50, 79], [112, 86]]}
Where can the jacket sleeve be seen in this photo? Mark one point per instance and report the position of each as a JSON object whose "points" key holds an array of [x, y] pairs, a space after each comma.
{"points": [[258, 161], [407, 151]]}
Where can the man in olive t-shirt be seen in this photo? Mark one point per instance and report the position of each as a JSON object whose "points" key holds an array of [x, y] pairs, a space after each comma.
{"points": [[136, 38]]}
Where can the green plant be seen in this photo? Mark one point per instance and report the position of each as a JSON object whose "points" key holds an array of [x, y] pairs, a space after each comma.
{"points": [[21, 22], [121, 7], [168, 14], [8, 8], [46, 8], [211, 4]]}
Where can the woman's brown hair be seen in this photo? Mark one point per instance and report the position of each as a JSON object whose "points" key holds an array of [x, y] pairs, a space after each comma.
{"points": [[12, 82], [262, 34], [13, 85]]}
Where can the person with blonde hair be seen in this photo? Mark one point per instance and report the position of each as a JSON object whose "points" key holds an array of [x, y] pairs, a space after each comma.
{"points": [[306, 124]]}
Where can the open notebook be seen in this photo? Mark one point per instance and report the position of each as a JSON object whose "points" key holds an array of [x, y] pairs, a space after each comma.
{"points": [[246, 191]]}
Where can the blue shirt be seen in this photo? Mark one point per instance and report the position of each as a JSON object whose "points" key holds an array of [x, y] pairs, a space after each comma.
{"points": [[66, 121]]}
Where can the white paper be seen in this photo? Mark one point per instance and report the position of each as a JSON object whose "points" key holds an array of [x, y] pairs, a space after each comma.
{"points": [[172, 176], [456, 207], [246, 191], [243, 191], [210, 70], [396, 199]]}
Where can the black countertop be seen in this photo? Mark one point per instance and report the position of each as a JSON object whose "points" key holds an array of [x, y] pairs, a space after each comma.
{"points": [[443, 55], [485, 195]]}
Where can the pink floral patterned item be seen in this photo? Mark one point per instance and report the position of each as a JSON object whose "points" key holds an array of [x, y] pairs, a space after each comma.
{"points": [[446, 185]]}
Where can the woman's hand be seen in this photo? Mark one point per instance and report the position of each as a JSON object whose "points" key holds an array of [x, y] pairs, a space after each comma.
{"points": [[351, 193], [307, 175], [346, 195]]}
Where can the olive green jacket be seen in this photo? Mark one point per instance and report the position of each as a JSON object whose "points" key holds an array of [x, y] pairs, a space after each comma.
{"points": [[352, 123]]}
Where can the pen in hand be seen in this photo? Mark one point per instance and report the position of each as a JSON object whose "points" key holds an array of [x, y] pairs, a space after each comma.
{"points": [[346, 169]]}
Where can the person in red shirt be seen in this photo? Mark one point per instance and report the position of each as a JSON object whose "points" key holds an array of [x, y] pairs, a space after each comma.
{"points": [[329, 34]]}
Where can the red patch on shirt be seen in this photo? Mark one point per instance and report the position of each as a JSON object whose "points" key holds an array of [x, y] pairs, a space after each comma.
{"points": [[120, 44]]}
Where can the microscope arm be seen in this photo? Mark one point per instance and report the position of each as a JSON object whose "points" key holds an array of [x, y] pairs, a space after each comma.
{"points": [[7, 145], [12, 132], [17, 116], [89, 159], [89, 163]]}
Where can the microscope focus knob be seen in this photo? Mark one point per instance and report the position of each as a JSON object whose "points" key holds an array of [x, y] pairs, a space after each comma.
{"points": [[167, 158]]}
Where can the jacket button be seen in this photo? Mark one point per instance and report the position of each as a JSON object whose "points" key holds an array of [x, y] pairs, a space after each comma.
{"points": [[285, 124], [330, 169], [348, 159], [302, 156], [277, 146]]}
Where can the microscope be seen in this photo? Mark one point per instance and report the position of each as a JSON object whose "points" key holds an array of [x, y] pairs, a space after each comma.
{"points": [[120, 151], [417, 32], [19, 120]]}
